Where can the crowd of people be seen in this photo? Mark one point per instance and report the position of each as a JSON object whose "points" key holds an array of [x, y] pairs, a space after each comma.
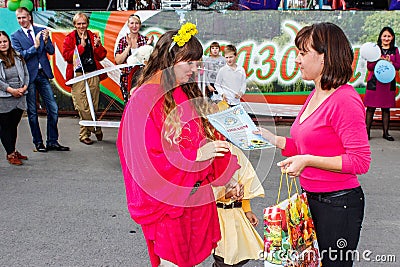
{"points": [[186, 185]]}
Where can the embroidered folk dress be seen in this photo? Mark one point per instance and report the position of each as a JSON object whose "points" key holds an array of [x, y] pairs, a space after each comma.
{"points": [[159, 177]]}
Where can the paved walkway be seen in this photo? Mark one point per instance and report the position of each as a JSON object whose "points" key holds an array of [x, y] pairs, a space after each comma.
{"points": [[68, 208]]}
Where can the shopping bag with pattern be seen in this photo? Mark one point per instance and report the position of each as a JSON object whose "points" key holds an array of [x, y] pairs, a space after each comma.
{"points": [[289, 232]]}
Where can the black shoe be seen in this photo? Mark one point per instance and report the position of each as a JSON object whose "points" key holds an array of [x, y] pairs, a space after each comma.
{"points": [[99, 136], [40, 147], [57, 147], [388, 137]]}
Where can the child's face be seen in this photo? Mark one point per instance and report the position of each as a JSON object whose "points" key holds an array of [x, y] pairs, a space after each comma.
{"points": [[214, 51], [230, 58]]}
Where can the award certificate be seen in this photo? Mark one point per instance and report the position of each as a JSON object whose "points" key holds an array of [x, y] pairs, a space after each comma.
{"points": [[237, 126]]}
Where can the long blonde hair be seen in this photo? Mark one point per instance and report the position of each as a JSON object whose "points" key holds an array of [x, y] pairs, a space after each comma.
{"points": [[163, 58]]}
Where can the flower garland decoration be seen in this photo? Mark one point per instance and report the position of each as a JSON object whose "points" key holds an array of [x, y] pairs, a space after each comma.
{"points": [[184, 34]]}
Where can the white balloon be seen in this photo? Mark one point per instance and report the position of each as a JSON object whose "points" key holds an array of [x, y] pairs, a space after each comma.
{"points": [[370, 51]]}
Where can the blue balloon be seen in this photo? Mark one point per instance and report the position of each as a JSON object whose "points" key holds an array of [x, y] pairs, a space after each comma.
{"points": [[384, 71]]}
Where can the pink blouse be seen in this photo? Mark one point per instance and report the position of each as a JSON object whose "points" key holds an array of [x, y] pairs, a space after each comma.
{"points": [[336, 128]]}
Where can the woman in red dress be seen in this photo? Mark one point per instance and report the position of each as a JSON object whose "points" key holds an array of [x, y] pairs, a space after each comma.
{"points": [[170, 155]]}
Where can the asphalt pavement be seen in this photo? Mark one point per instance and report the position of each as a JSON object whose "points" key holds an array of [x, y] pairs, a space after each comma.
{"points": [[69, 208]]}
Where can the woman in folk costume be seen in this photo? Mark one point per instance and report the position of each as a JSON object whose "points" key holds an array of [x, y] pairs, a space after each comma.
{"points": [[170, 157], [240, 242]]}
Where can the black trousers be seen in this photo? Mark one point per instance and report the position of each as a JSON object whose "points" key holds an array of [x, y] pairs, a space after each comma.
{"points": [[8, 129], [338, 225]]}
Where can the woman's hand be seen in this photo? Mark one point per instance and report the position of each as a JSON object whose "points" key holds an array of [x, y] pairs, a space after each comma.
{"points": [[294, 166], [150, 40], [212, 150], [97, 41], [386, 57], [129, 41], [252, 218], [133, 41], [15, 92], [22, 90], [276, 140]]}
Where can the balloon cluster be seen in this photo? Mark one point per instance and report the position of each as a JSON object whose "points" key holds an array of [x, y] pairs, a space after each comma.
{"points": [[15, 4], [384, 70]]}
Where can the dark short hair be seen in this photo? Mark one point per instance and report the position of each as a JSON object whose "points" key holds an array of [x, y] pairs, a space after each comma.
{"points": [[215, 44], [329, 39], [22, 8]]}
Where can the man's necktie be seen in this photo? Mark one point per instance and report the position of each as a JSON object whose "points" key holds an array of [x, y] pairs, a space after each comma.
{"points": [[30, 37]]}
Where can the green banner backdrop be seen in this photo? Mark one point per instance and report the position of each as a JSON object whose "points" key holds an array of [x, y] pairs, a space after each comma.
{"points": [[265, 42]]}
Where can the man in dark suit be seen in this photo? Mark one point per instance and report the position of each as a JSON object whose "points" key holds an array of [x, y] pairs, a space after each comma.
{"points": [[34, 44]]}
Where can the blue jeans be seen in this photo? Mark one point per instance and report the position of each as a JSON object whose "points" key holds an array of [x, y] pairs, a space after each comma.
{"points": [[42, 85]]}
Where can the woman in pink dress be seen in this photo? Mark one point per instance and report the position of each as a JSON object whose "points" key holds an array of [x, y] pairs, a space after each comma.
{"points": [[382, 95], [170, 155]]}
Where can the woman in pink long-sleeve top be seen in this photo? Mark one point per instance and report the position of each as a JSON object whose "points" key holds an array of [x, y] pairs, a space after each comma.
{"points": [[329, 145], [382, 95], [168, 159]]}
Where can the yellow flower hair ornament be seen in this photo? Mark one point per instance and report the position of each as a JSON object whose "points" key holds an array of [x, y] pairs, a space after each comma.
{"points": [[184, 34]]}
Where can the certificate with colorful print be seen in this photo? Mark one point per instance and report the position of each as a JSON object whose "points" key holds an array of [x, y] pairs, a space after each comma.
{"points": [[237, 126]]}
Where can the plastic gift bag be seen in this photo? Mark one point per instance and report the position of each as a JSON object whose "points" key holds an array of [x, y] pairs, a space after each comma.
{"points": [[289, 232]]}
